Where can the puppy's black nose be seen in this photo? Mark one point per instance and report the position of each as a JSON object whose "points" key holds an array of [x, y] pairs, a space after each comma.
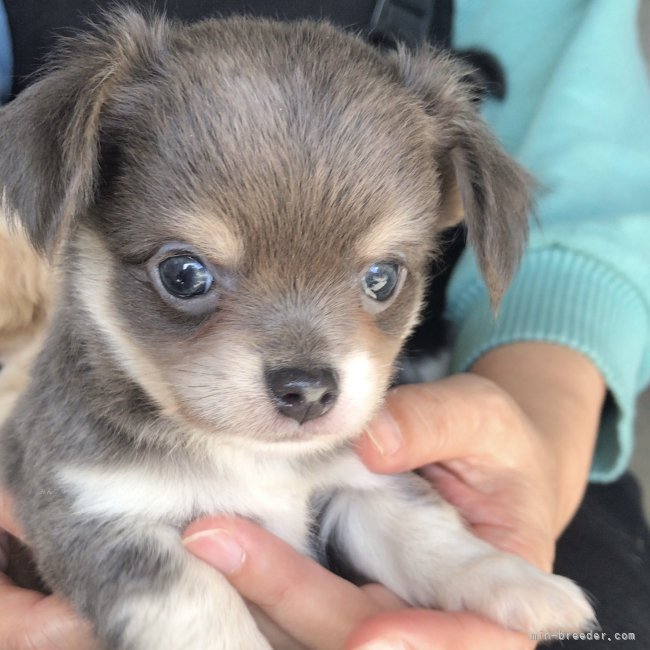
{"points": [[302, 394]]}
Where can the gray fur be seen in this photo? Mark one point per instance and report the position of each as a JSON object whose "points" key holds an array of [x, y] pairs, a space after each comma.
{"points": [[492, 186], [288, 156]]}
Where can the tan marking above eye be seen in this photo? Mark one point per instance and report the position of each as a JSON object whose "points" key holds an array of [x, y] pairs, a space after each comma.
{"points": [[397, 235], [212, 236]]}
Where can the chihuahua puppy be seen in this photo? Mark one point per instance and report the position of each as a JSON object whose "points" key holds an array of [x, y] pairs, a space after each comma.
{"points": [[244, 212]]}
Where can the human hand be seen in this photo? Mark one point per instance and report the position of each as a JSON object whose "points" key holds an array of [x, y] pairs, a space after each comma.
{"points": [[319, 610], [512, 452], [489, 461], [500, 462], [30, 620], [441, 421]]}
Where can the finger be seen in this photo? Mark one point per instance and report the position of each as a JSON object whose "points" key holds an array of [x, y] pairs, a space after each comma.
{"points": [[437, 421], [313, 605], [32, 621], [385, 598], [414, 629]]}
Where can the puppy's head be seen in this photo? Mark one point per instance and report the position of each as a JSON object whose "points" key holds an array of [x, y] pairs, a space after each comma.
{"points": [[248, 210]]}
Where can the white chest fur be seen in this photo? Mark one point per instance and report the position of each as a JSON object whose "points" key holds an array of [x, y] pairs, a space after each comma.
{"points": [[270, 490]]}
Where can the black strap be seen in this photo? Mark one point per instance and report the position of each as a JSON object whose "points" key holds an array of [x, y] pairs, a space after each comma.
{"points": [[413, 22], [35, 25]]}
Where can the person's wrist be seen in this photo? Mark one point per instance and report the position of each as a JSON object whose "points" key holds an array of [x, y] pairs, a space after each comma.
{"points": [[561, 392]]}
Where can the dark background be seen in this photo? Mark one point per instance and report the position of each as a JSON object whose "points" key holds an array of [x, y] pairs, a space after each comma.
{"points": [[35, 24]]}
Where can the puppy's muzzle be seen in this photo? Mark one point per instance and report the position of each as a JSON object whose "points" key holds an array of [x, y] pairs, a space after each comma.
{"points": [[302, 394]]}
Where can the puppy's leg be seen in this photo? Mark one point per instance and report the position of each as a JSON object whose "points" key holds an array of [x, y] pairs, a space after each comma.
{"points": [[143, 591], [401, 533]]}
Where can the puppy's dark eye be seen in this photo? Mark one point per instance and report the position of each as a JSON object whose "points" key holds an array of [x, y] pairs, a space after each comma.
{"points": [[380, 280], [185, 276]]}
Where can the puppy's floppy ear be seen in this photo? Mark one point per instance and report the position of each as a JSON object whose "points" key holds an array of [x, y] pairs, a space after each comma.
{"points": [[494, 192], [49, 134]]}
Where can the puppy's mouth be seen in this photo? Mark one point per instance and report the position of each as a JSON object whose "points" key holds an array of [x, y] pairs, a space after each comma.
{"points": [[323, 427]]}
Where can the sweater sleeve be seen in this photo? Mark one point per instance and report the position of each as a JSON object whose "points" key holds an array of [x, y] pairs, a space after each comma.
{"points": [[577, 117]]}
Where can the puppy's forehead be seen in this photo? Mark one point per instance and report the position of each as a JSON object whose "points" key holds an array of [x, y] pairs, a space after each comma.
{"points": [[267, 133]]}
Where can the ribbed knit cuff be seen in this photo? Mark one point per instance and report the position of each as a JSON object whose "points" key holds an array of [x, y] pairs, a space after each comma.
{"points": [[571, 299]]}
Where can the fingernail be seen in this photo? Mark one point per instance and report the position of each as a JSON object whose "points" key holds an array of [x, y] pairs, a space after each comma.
{"points": [[386, 434], [218, 548], [384, 644]]}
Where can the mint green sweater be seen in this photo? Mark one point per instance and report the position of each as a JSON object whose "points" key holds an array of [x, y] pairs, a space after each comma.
{"points": [[577, 115]]}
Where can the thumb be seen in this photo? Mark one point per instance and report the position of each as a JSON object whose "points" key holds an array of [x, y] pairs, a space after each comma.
{"points": [[297, 593], [434, 422]]}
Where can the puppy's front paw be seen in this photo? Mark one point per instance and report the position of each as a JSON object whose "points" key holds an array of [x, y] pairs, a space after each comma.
{"points": [[198, 611], [513, 593], [227, 629]]}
